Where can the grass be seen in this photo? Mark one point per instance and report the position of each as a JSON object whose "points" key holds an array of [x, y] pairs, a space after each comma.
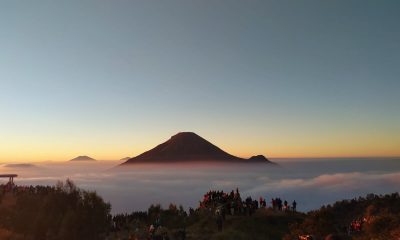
{"points": [[263, 225]]}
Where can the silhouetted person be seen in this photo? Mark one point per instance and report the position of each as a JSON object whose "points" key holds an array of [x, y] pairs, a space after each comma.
{"points": [[191, 211], [285, 204], [219, 220], [294, 205], [182, 234], [232, 208], [165, 236], [279, 201], [333, 237], [152, 229]]}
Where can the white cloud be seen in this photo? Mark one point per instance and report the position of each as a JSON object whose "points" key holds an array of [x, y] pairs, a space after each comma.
{"points": [[311, 185]]}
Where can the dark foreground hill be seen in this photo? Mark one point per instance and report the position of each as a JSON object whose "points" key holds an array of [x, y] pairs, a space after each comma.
{"points": [[186, 147], [381, 214], [365, 218], [66, 212], [60, 212]]}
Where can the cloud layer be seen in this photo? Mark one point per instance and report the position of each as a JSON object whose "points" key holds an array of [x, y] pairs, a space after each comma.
{"points": [[311, 184]]}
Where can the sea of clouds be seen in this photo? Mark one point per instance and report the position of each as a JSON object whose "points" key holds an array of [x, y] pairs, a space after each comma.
{"points": [[311, 183]]}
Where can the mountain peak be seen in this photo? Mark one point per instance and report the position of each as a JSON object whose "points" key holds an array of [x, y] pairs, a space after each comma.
{"points": [[180, 134], [83, 158], [186, 136], [184, 147], [259, 158]]}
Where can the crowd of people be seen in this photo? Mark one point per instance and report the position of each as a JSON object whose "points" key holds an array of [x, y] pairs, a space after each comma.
{"points": [[232, 204], [277, 204], [215, 203], [122, 222]]}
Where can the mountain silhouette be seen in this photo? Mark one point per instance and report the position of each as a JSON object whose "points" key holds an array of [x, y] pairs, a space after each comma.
{"points": [[20, 165], [82, 158], [259, 158], [184, 147]]}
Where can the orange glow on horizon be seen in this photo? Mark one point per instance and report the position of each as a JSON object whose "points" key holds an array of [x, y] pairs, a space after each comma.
{"points": [[277, 145]]}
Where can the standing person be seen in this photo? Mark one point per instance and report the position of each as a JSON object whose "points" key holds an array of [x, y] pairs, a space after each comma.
{"points": [[294, 205], [165, 236], [182, 234], [152, 230], [279, 203], [285, 205], [333, 237], [219, 220]]}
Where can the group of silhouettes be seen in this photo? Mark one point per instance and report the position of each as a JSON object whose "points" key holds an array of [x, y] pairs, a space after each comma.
{"points": [[277, 204], [232, 204]]}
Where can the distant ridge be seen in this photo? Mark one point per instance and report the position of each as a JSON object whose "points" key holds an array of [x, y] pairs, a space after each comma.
{"points": [[185, 147], [259, 158], [82, 159], [20, 165], [125, 159]]}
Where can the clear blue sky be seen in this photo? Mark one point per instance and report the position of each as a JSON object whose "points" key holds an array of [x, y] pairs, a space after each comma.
{"points": [[281, 78]]}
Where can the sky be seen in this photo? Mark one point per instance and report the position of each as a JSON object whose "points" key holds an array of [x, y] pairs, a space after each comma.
{"points": [[111, 79]]}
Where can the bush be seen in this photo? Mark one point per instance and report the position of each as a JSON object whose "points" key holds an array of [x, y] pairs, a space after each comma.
{"points": [[60, 212], [380, 216]]}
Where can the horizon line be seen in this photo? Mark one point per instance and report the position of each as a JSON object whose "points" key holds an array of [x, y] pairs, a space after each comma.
{"points": [[270, 158]]}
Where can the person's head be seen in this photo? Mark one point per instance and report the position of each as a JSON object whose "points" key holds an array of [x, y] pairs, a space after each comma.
{"points": [[333, 237]]}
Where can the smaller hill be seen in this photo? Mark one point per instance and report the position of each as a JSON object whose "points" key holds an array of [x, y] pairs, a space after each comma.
{"points": [[259, 158], [82, 159], [19, 165]]}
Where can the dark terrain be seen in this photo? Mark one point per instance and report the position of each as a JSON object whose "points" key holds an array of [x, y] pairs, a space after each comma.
{"points": [[67, 212]]}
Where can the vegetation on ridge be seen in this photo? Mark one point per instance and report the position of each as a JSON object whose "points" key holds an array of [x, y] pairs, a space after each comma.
{"points": [[59, 212]]}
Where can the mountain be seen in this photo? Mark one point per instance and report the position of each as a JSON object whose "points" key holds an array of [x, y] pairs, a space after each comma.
{"points": [[125, 159], [19, 165], [259, 158], [184, 147], [82, 158]]}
